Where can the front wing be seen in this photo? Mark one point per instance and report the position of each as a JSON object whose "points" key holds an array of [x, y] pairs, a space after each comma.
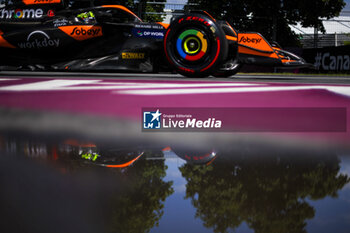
{"points": [[253, 48]]}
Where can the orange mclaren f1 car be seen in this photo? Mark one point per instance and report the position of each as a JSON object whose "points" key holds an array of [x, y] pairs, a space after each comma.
{"points": [[55, 35]]}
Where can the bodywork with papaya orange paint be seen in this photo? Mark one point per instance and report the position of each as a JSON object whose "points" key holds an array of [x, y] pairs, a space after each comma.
{"points": [[253, 48], [5, 44]]}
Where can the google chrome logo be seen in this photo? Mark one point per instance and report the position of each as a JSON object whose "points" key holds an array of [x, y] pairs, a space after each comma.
{"points": [[18, 14]]}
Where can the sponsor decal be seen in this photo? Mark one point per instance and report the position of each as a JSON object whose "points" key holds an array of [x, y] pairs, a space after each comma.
{"points": [[328, 62], [249, 40], [93, 31], [194, 18], [60, 22], [38, 40], [50, 13], [186, 70], [153, 34], [149, 33], [149, 26], [21, 14], [18, 14], [32, 2], [82, 32], [133, 55]]}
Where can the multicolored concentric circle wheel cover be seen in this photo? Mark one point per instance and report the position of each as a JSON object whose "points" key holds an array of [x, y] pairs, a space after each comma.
{"points": [[183, 45]]}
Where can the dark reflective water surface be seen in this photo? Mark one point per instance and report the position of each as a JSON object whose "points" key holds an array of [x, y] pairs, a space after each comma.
{"points": [[81, 186]]}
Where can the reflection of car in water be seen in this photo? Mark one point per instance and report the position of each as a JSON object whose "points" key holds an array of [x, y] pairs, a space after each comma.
{"points": [[268, 189], [54, 35], [194, 157], [119, 157], [106, 157], [89, 153], [114, 157], [67, 193]]}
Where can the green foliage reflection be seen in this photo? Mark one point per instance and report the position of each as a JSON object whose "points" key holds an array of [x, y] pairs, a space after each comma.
{"points": [[139, 208], [268, 193]]}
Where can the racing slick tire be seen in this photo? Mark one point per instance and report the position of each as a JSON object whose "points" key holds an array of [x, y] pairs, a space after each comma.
{"points": [[195, 45]]}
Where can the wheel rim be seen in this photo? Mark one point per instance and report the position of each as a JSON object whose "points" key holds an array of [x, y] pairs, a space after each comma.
{"points": [[191, 45]]}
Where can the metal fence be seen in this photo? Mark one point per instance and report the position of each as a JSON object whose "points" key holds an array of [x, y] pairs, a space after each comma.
{"points": [[337, 33], [171, 9], [324, 40]]}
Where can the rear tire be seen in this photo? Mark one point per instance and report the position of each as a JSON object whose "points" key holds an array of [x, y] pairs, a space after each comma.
{"points": [[195, 45]]}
